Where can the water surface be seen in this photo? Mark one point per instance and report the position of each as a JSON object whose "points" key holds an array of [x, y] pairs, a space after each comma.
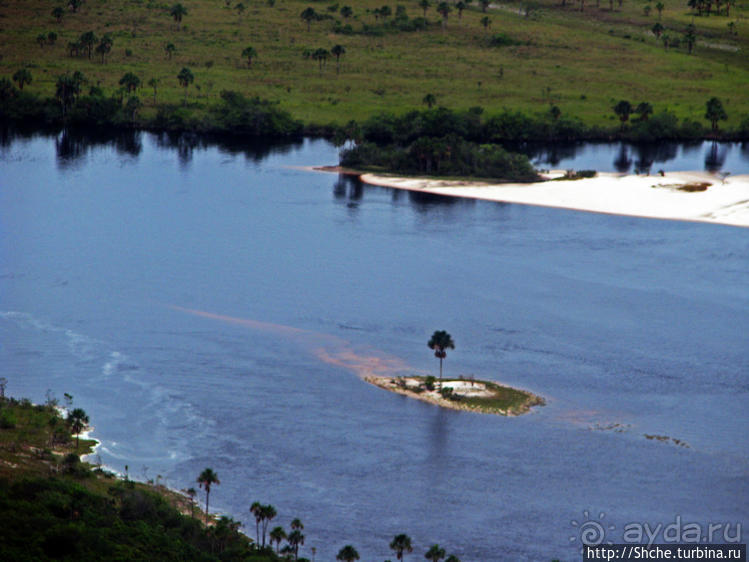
{"points": [[211, 305]]}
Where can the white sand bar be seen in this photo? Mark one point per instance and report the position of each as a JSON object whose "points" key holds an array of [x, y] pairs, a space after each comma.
{"points": [[725, 201]]}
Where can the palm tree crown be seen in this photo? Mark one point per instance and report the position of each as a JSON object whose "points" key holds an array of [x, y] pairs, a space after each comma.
{"points": [[439, 342]]}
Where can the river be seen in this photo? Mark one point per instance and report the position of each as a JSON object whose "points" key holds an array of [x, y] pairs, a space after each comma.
{"points": [[212, 304]]}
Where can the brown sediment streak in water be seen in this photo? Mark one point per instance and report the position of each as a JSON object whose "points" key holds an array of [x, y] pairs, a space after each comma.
{"points": [[328, 349], [362, 365]]}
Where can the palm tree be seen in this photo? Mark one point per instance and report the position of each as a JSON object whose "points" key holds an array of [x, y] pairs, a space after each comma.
{"points": [[41, 39], [659, 6], [460, 6], [444, 9], [185, 78], [88, 39], [104, 46], [337, 51], [321, 56], [714, 112], [435, 553], [206, 479], [657, 29], [58, 13], [644, 110], [78, 421], [268, 512], [690, 36], [623, 109], [309, 15], [67, 89], [400, 544], [452, 558], [22, 76], [169, 48], [347, 12], [257, 510], [192, 492], [249, 53], [132, 106], [130, 82], [347, 554], [51, 37], [429, 100], [74, 5], [484, 4], [439, 342], [276, 535], [154, 83], [178, 11], [424, 5], [296, 537]]}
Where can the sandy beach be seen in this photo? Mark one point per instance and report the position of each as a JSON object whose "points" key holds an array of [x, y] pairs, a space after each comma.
{"points": [[691, 196]]}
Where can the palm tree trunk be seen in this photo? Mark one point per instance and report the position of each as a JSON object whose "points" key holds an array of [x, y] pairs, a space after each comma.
{"points": [[207, 495]]}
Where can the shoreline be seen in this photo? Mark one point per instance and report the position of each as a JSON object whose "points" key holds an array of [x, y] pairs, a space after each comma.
{"points": [[389, 383], [685, 196], [714, 199]]}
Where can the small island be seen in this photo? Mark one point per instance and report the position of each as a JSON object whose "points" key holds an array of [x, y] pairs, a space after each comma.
{"points": [[462, 394]]}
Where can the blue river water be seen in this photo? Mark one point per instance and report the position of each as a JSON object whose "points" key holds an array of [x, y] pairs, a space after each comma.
{"points": [[213, 305]]}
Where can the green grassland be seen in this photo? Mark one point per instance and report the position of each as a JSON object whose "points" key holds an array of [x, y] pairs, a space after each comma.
{"points": [[583, 62]]}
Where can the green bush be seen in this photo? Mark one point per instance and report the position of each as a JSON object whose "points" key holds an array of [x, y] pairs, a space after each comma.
{"points": [[429, 382]]}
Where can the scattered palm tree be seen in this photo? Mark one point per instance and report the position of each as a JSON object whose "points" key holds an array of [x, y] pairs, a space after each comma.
{"points": [[347, 12], [276, 535], [185, 78], [41, 39], [104, 47], [78, 421], [308, 15], [178, 11], [192, 492], [439, 342], [657, 29], [321, 56], [296, 538], [715, 112], [257, 510], [623, 109], [484, 4], [435, 553], [58, 13], [88, 40], [21, 77], [169, 48], [644, 110], [659, 6], [690, 37], [74, 5], [268, 513], [430, 100], [424, 5], [347, 554], [338, 51], [154, 83], [249, 53], [400, 544], [206, 479], [452, 558], [130, 82], [444, 9], [51, 38]]}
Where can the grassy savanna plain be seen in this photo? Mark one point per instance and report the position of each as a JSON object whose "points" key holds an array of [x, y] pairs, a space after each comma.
{"points": [[581, 61]]}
